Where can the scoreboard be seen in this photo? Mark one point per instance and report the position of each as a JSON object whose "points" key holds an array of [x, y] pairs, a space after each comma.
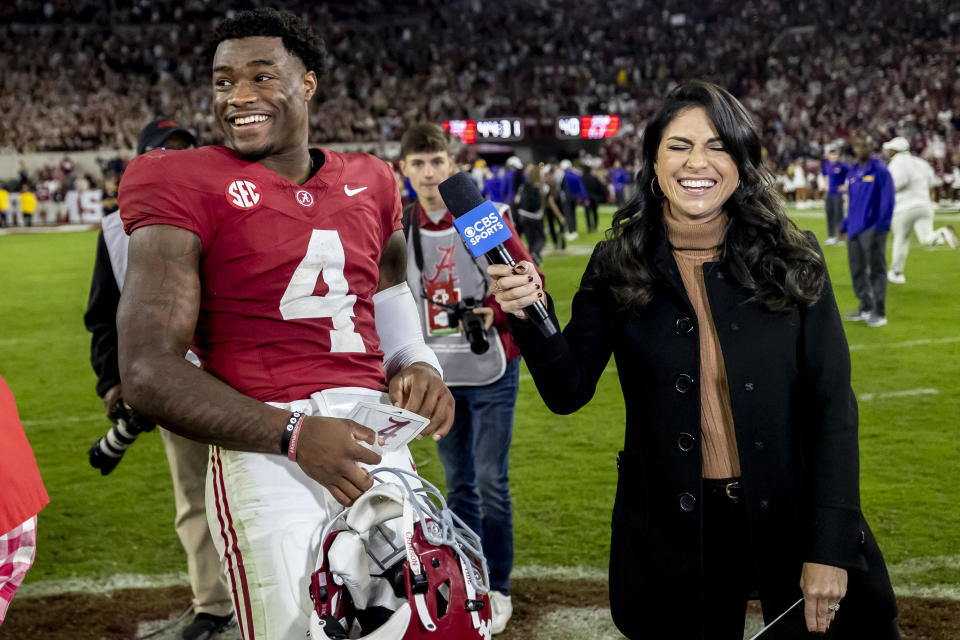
{"points": [[464, 130], [507, 129], [588, 127], [512, 129]]}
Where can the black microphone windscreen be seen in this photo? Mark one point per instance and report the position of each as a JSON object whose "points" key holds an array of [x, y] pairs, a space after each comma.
{"points": [[459, 192]]}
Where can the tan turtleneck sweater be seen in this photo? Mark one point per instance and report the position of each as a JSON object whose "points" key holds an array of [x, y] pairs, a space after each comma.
{"points": [[694, 244]]}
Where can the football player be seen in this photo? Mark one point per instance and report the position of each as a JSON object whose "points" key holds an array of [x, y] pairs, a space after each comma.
{"points": [[284, 267]]}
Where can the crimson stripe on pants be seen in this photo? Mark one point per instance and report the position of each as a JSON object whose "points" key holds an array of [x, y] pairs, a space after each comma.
{"points": [[231, 547]]}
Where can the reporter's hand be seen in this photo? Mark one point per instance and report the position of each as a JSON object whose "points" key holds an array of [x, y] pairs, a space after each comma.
{"points": [[516, 287], [329, 451], [110, 398], [823, 585], [419, 388]]}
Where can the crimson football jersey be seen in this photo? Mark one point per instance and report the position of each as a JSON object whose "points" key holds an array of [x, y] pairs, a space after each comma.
{"points": [[288, 271]]}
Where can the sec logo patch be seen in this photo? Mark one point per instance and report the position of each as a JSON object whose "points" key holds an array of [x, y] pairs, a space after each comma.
{"points": [[305, 198], [243, 194]]}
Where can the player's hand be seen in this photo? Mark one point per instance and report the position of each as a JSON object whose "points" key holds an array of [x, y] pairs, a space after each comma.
{"points": [[516, 287], [486, 313], [419, 388], [329, 451], [110, 398], [823, 586]]}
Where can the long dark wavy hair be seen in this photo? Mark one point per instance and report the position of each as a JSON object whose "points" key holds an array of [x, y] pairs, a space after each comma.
{"points": [[764, 250]]}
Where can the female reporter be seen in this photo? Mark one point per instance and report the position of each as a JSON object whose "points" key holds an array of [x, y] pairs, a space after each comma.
{"points": [[739, 472]]}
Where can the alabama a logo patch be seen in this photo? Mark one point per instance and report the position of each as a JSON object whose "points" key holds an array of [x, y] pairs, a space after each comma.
{"points": [[243, 194], [305, 198]]}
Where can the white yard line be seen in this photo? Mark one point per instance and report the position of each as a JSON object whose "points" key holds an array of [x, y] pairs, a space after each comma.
{"points": [[87, 418], [101, 586], [897, 394], [906, 343], [559, 573]]}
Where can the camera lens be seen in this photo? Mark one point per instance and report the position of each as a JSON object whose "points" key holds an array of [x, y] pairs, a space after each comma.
{"points": [[473, 330]]}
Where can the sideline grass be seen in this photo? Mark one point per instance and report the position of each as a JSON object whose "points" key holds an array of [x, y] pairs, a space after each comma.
{"points": [[562, 467]]}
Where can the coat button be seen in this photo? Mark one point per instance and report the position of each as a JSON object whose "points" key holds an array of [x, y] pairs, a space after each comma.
{"points": [[683, 325], [758, 445], [685, 442], [719, 275], [764, 504], [683, 383], [748, 386], [687, 502], [735, 326]]}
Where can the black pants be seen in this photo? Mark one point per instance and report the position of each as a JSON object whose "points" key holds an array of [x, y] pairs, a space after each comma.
{"points": [[569, 209], [728, 576], [556, 230], [532, 230], [591, 212], [867, 253], [729, 580], [834, 215]]}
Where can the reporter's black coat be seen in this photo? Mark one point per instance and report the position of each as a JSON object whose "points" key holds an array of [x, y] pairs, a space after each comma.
{"points": [[795, 418]]}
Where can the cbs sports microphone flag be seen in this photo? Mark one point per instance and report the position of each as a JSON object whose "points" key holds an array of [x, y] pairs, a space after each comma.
{"points": [[482, 228]]}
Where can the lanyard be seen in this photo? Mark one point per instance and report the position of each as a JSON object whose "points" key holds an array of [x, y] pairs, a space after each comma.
{"points": [[418, 253]]}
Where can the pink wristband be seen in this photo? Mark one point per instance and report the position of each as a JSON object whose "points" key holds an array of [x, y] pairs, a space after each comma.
{"points": [[295, 438]]}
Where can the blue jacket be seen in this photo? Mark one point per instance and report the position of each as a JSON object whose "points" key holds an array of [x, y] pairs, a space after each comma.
{"points": [[836, 173], [620, 179], [493, 186], [573, 184], [871, 194]]}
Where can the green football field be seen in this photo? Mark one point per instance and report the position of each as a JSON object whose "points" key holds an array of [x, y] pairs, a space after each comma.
{"points": [[906, 375]]}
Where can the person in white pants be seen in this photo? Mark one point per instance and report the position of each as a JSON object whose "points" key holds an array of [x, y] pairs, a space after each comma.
{"points": [[913, 178]]}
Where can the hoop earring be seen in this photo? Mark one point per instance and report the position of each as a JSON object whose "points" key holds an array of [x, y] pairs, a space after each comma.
{"points": [[653, 184]]}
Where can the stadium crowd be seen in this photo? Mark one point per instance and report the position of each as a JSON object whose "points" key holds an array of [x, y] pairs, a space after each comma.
{"points": [[85, 75]]}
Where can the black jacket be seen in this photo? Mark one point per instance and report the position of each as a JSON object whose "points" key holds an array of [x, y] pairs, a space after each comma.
{"points": [[795, 419], [101, 320]]}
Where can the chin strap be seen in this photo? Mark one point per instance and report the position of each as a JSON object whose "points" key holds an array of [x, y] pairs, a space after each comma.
{"points": [[418, 582]]}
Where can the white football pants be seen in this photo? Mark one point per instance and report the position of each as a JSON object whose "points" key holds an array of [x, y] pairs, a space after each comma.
{"points": [[266, 517], [919, 219]]}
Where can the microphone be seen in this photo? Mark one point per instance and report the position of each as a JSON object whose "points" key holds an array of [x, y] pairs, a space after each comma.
{"points": [[483, 231]]}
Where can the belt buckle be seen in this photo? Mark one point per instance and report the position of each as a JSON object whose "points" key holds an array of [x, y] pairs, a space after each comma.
{"points": [[730, 487]]}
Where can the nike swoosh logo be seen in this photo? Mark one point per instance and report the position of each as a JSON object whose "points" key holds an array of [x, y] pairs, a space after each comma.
{"points": [[352, 192]]}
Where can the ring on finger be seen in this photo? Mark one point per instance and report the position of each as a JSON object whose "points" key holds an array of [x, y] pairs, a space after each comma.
{"points": [[834, 607]]}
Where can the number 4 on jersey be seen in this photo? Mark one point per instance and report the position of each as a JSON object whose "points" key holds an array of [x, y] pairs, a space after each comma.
{"points": [[325, 259]]}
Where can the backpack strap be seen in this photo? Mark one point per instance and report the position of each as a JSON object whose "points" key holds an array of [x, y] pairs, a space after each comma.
{"points": [[411, 218]]}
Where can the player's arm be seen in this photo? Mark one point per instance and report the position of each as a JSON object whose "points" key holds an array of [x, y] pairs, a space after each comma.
{"points": [[413, 371], [156, 320]]}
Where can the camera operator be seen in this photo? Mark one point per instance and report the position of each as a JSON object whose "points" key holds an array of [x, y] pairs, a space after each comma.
{"points": [[212, 600], [480, 362]]}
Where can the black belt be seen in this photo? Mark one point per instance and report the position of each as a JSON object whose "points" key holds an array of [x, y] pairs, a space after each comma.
{"points": [[730, 488]]}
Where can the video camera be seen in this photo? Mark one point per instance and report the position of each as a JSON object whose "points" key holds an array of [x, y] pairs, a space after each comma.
{"points": [[463, 311], [105, 454]]}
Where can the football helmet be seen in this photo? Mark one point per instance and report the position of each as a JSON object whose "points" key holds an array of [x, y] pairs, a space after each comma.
{"points": [[399, 564]]}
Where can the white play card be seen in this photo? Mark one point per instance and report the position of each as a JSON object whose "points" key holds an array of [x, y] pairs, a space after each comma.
{"points": [[396, 426]]}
